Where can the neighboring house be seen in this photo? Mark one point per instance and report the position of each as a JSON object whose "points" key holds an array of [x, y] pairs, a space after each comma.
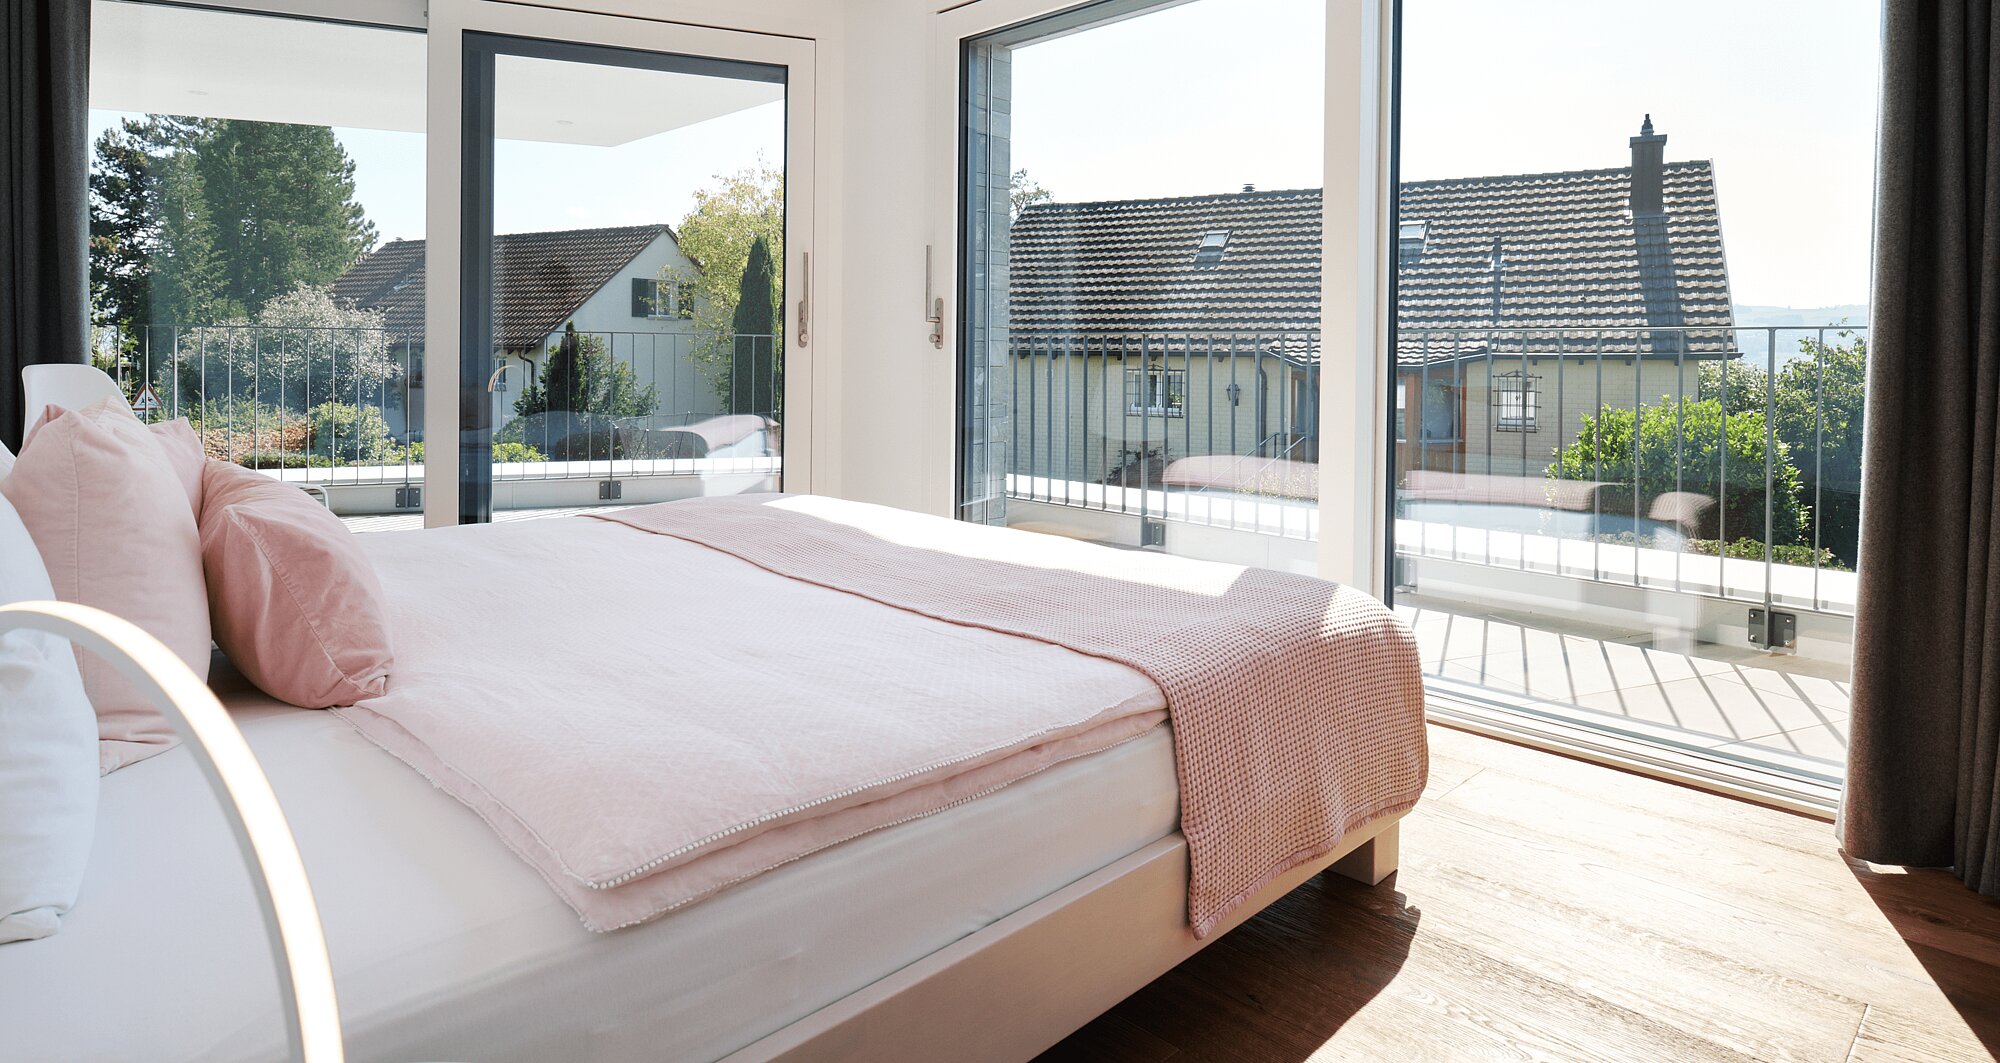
{"points": [[604, 281], [1151, 330], [1597, 266]]}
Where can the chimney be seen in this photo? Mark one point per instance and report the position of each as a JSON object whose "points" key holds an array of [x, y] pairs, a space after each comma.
{"points": [[1649, 151], [1249, 188]]}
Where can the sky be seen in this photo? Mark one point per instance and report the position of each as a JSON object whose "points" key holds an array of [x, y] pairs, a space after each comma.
{"points": [[1211, 95]]}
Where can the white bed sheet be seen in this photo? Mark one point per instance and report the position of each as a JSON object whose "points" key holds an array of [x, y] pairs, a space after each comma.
{"points": [[447, 946]]}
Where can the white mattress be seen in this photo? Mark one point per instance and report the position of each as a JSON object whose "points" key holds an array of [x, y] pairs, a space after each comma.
{"points": [[445, 945]]}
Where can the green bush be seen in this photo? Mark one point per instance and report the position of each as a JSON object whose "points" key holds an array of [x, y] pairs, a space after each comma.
{"points": [[283, 460], [350, 435], [507, 451], [1748, 549], [1680, 446]]}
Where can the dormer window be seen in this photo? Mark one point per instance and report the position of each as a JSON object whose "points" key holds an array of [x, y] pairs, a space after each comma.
{"points": [[1213, 244]]}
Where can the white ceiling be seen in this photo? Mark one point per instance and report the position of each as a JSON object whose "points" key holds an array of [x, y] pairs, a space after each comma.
{"points": [[158, 59]]}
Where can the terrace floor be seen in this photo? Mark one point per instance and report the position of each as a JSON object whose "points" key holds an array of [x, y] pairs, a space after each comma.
{"points": [[1731, 700]]}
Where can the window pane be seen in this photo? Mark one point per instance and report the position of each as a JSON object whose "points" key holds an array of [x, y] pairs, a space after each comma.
{"points": [[1142, 294], [1631, 436], [246, 174], [614, 171]]}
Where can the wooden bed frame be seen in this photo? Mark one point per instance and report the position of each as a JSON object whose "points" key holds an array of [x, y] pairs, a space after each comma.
{"points": [[1011, 990]]}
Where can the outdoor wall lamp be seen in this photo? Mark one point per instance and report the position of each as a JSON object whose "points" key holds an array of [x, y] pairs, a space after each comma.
{"points": [[1235, 392]]}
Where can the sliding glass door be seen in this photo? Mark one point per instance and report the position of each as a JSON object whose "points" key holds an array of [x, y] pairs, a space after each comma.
{"points": [[489, 258], [1628, 367], [627, 257], [1139, 239]]}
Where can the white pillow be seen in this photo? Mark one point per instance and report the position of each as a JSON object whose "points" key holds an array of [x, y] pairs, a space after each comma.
{"points": [[48, 755]]}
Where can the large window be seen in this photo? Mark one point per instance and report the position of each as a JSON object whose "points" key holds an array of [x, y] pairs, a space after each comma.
{"points": [[247, 174], [1141, 276], [260, 261], [1629, 356]]}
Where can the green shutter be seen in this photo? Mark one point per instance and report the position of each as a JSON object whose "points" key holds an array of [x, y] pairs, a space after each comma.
{"points": [[643, 293]]}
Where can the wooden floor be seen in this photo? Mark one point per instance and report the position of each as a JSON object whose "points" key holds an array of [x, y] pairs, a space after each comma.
{"points": [[1548, 908]]}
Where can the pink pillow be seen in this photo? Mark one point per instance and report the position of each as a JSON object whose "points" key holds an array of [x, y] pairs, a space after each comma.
{"points": [[112, 521], [297, 606], [183, 450], [176, 438]]}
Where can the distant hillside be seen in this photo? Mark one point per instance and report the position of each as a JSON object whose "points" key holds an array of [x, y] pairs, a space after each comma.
{"points": [[1756, 344]]}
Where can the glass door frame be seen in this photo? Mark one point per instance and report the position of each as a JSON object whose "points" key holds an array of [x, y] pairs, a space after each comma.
{"points": [[453, 116], [1356, 266]]}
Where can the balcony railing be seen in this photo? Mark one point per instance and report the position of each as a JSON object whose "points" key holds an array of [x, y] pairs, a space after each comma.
{"points": [[340, 405], [1212, 427], [1712, 461]]}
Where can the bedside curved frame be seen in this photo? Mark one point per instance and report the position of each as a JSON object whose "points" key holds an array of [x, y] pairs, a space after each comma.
{"points": [[291, 919]]}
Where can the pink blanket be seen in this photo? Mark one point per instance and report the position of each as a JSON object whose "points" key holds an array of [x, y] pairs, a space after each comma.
{"points": [[1296, 704], [647, 721]]}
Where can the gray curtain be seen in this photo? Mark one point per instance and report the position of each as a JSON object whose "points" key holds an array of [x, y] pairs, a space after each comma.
{"points": [[44, 205], [1923, 783]]}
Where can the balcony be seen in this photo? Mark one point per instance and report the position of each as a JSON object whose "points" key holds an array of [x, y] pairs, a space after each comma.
{"points": [[341, 410], [1583, 518]]}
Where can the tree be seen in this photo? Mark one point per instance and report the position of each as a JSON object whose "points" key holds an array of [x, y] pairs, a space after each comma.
{"points": [[246, 212], [1024, 192], [716, 236], [577, 377], [754, 372], [1691, 446], [123, 224], [141, 187], [299, 351], [282, 197], [189, 285], [1819, 401]]}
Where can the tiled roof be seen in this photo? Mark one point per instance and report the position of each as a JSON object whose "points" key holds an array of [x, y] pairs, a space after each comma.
{"points": [[540, 279], [1570, 256], [1130, 265]]}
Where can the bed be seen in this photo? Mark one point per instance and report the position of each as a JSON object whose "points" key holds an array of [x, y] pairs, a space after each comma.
{"points": [[983, 929]]}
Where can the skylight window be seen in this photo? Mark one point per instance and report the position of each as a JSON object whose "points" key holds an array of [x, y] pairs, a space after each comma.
{"points": [[1410, 238], [1209, 251]]}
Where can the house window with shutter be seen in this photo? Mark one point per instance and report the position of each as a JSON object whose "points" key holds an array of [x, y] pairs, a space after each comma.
{"points": [[651, 299]]}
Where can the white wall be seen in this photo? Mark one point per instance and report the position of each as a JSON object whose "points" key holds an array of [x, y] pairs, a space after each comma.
{"points": [[893, 397]]}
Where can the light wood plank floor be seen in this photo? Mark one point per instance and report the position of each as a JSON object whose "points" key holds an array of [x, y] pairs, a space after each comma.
{"points": [[1549, 908]]}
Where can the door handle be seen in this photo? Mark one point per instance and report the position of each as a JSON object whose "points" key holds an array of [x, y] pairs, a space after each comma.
{"points": [[933, 304], [805, 297]]}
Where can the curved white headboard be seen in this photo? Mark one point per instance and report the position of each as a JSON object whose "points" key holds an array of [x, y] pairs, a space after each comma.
{"points": [[291, 919]]}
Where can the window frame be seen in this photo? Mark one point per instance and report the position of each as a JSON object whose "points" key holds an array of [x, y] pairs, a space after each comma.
{"points": [[1173, 381], [1520, 390]]}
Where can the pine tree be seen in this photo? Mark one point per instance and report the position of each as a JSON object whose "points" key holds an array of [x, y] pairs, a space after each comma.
{"points": [[125, 214], [189, 286], [753, 371], [565, 378], [283, 201]]}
